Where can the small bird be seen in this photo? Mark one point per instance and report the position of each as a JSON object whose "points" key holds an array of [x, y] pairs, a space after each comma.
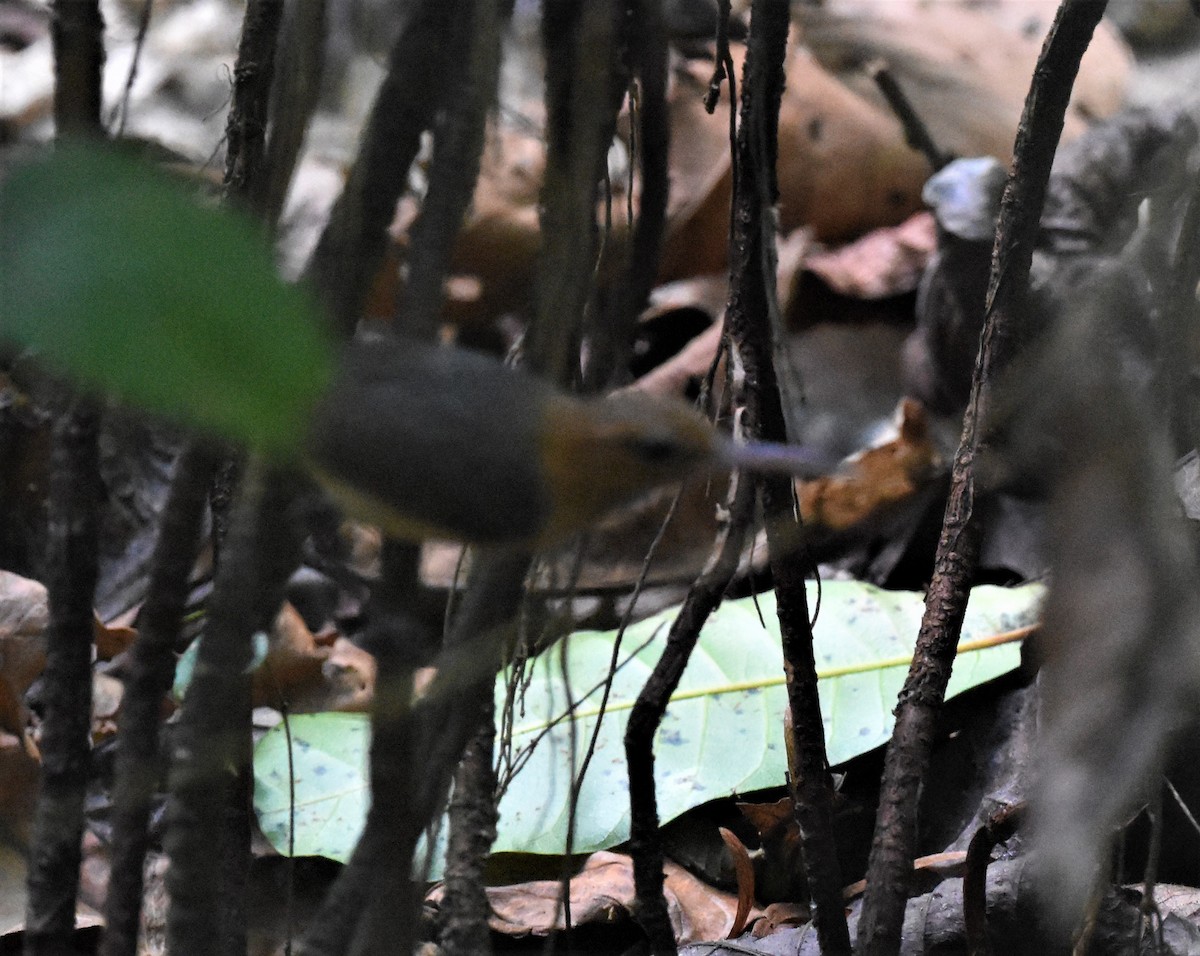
{"points": [[427, 441]]}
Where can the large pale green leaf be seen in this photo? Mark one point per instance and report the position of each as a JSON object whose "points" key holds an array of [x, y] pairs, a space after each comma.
{"points": [[723, 732], [120, 280]]}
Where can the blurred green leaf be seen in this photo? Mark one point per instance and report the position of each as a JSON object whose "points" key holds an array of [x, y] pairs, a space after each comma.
{"points": [[121, 280]]}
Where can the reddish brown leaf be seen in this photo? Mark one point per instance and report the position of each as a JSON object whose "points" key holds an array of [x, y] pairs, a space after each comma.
{"points": [[743, 869]]}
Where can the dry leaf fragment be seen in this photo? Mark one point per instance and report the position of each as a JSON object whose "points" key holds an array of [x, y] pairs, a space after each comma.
{"points": [[24, 614], [743, 869], [885, 262], [879, 477], [292, 667], [602, 892]]}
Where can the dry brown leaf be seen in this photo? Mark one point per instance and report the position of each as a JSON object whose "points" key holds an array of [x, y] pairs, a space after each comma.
{"points": [[952, 863], [1183, 901], [743, 869], [24, 614], [292, 667], [964, 65], [602, 891], [349, 679], [19, 772], [493, 260], [779, 916], [313, 673], [111, 639], [844, 167], [698, 911], [885, 262], [598, 893], [879, 478]]}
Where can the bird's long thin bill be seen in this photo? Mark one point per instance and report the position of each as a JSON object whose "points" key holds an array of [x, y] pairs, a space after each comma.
{"points": [[767, 457]]}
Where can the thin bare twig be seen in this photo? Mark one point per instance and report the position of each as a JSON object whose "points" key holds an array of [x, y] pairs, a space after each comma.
{"points": [[916, 133]]}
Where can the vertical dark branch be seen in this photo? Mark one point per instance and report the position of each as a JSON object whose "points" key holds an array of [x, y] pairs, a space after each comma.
{"points": [[472, 831], [650, 131], [645, 844], [72, 554], [352, 246], [75, 490], [386, 917], [457, 146], [442, 725], [300, 68], [648, 40], [752, 301], [78, 36], [151, 671], [211, 746], [378, 864], [583, 87], [246, 130], [1038, 133]]}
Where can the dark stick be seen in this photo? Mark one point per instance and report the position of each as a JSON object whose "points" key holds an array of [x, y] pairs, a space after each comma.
{"points": [[397, 648], [651, 135], [211, 744], [297, 87], [151, 671], [723, 65], [76, 490], [246, 128], [890, 870], [645, 845], [77, 31], [457, 147], [390, 828], [352, 247], [583, 92], [443, 724], [651, 59], [75, 494], [916, 133], [472, 832], [372, 905], [139, 45], [752, 301], [999, 827]]}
